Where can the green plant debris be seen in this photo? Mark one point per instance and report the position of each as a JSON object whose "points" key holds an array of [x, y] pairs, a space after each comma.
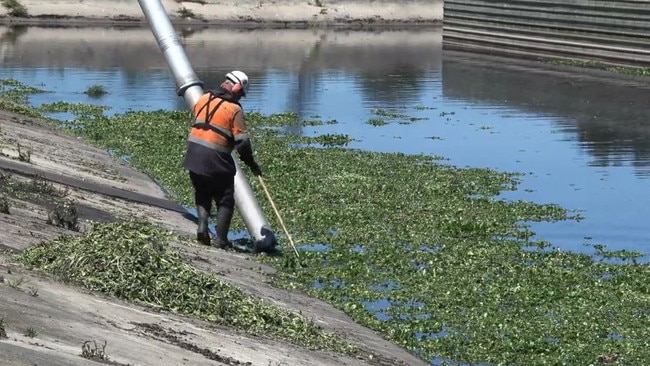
{"points": [[93, 351], [24, 155], [133, 261], [388, 114], [17, 283], [64, 215], [458, 269]]}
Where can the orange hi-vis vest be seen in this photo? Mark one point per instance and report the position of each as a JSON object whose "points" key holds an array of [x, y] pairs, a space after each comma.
{"points": [[213, 124]]}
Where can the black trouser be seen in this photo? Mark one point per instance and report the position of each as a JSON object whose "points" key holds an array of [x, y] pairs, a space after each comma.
{"points": [[221, 190], [218, 188]]}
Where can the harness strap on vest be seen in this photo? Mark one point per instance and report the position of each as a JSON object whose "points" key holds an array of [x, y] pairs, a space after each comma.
{"points": [[208, 125]]}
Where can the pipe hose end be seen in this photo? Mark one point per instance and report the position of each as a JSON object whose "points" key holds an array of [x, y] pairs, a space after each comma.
{"points": [[267, 243]]}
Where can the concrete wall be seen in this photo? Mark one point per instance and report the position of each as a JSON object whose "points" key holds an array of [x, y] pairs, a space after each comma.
{"points": [[616, 31]]}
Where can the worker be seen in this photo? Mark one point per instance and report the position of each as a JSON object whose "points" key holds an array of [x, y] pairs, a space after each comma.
{"points": [[219, 128]]}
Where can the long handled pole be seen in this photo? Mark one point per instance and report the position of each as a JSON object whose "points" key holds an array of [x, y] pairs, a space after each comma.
{"points": [[277, 213]]}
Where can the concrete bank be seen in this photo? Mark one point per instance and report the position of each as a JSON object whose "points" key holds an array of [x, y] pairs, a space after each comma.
{"points": [[59, 167], [611, 32], [279, 13]]}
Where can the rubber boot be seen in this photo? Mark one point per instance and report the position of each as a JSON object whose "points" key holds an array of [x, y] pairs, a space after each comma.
{"points": [[224, 218], [202, 232]]}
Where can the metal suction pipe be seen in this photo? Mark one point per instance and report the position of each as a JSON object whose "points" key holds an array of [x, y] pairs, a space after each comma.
{"points": [[190, 88]]}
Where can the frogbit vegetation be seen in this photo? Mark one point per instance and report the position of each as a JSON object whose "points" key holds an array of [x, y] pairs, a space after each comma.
{"points": [[426, 253]]}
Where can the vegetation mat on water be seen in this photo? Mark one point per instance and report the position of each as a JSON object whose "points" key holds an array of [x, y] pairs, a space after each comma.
{"points": [[424, 252], [133, 261]]}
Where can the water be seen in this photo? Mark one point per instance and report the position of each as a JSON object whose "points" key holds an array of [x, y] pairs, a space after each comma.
{"points": [[583, 140]]}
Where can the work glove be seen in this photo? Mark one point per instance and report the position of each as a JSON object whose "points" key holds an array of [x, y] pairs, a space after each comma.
{"points": [[255, 169]]}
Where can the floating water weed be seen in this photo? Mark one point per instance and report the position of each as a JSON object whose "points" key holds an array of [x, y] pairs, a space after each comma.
{"points": [[96, 91], [488, 293], [376, 122]]}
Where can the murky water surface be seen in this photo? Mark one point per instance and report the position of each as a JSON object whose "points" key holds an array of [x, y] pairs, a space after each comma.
{"points": [[584, 140]]}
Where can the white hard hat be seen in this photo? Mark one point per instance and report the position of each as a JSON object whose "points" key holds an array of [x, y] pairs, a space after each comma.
{"points": [[238, 77]]}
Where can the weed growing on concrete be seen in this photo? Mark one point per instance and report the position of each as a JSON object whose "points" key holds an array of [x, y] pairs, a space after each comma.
{"points": [[24, 155], [33, 291], [3, 328], [15, 8], [186, 13], [64, 215], [4, 204], [17, 283], [92, 351], [41, 185], [202, 2], [31, 332]]}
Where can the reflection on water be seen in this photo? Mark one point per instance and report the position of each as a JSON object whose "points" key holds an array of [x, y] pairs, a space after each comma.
{"points": [[583, 139]]}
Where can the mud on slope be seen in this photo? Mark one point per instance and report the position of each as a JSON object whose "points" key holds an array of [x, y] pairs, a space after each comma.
{"points": [[50, 323]]}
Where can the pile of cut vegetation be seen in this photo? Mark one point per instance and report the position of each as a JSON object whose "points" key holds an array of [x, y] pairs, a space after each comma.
{"points": [[133, 261]]}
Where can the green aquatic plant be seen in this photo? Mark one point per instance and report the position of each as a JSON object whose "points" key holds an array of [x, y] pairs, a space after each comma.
{"points": [[426, 253], [376, 122], [627, 70], [388, 114], [456, 252], [573, 62], [96, 91]]}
